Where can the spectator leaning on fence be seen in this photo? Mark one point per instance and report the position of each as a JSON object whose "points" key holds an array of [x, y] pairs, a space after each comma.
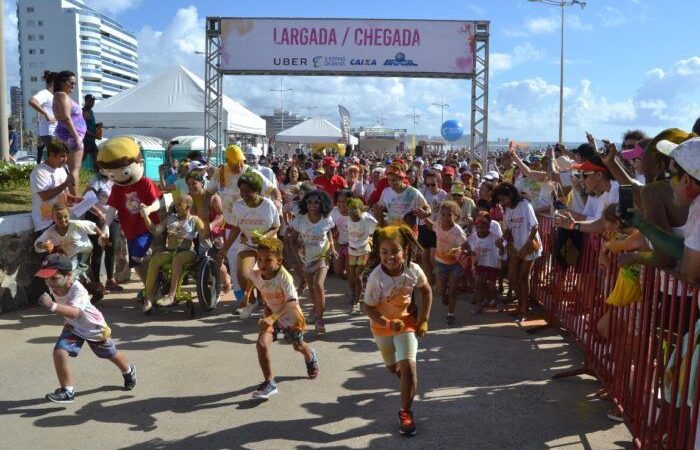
{"points": [[685, 182], [655, 200], [602, 191]]}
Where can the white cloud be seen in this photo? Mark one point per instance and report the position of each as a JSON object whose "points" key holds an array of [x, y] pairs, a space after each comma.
{"points": [[522, 53], [500, 62], [542, 25], [176, 44], [611, 17], [113, 6], [529, 109]]}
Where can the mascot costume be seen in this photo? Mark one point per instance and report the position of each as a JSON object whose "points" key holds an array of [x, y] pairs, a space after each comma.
{"points": [[120, 160]]}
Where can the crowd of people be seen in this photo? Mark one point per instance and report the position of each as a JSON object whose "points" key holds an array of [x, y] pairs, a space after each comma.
{"points": [[391, 225]]}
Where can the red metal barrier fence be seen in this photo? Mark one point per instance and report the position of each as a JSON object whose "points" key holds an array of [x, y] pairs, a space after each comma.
{"points": [[648, 364]]}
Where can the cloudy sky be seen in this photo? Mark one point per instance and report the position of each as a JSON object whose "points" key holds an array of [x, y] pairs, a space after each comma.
{"points": [[628, 63]]}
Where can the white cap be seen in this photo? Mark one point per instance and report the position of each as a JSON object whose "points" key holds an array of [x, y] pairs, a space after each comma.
{"points": [[437, 167], [686, 155]]}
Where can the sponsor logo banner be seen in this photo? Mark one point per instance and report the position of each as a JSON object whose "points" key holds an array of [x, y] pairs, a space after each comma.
{"points": [[368, 47]]}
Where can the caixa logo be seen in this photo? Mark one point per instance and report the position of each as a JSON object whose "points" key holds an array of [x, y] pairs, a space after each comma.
{"points": [[399, 60], [363, 62]]}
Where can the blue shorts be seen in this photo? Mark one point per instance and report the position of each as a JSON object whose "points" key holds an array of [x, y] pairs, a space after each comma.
{"points": [[72, 343], [397, 348], [138, 248], [449, 270]]}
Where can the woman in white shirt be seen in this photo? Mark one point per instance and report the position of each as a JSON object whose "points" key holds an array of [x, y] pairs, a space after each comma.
{"points": [[42, 102], [523, 242]]}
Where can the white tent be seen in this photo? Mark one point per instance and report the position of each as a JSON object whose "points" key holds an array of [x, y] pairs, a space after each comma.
{"points": [[313, 131], [171, 104]]}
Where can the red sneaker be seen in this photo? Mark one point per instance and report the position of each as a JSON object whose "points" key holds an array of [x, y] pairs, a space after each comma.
{"points": [[408, 426]]}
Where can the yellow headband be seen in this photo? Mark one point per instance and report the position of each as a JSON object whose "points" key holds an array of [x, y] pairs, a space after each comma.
{"points": [[234, 154]]}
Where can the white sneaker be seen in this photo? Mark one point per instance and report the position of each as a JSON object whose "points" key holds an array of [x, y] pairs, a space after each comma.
{"points": [[356, 310], [247, 312]]}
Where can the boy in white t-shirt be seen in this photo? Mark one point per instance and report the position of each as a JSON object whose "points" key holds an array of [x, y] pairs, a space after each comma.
{"points": [[282, 311], [70, 237], [83, 322], [487, 247]]}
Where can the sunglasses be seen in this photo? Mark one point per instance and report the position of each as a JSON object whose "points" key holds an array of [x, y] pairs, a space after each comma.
{"points": [[628, 146]]}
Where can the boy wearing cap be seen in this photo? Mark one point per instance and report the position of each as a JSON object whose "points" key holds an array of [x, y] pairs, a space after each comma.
{"points": [[83, 322]]}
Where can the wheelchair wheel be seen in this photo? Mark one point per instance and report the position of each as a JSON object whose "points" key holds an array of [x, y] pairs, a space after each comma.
{"points": [[208, 284]]}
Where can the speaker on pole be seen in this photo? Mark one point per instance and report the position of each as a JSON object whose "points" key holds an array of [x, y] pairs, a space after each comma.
{"points": [[419, 151]]}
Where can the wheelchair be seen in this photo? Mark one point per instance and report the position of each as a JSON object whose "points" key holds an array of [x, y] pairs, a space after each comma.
{"points": [[204, 270]]}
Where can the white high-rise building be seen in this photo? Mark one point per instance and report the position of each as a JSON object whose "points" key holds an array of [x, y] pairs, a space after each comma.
{"points": [[61, 35]]}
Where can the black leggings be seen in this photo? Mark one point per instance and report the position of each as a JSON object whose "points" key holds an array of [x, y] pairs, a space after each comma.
{"points": [[97, 250]]}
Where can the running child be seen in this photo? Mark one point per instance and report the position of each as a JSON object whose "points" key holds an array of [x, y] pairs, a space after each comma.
{"points": [[486, 244], [70, 237], [282, 311], [523, 239], [83, 322], [289, 211], [450, 237], [312, 232], [392, 313], [360, 228], [339, 214]]}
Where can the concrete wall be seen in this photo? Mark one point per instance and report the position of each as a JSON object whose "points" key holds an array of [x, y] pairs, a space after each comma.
{"points": [[19, 262]]}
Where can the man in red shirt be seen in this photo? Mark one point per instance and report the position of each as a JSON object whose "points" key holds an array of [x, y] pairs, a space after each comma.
{"points": [[329, 181]]}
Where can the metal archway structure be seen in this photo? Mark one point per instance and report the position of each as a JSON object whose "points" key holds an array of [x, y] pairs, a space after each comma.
{"points": [[214, 73]]}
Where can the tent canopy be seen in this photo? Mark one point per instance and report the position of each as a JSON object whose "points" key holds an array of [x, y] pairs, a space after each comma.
{"points": [[171, 104], [313, 131]]}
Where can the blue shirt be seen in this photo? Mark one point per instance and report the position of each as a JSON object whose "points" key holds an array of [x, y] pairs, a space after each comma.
{"points": [[14, 139]]}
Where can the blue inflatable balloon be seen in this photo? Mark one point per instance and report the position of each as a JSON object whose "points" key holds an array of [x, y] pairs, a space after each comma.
{"points": [[452, 130]]}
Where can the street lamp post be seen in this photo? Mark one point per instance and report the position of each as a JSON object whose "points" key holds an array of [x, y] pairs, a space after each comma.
{"points": [[281, 90], [562, 5], [442, 106]]}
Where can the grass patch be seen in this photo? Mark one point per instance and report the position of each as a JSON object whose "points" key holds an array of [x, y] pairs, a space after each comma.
{"points": [[15, 196]]}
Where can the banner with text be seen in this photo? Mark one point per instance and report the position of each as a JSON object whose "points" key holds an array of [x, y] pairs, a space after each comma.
{"points": [[359, 47]]}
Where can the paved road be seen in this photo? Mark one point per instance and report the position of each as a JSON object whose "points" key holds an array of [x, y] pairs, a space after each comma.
{"points": [[484, 384]]}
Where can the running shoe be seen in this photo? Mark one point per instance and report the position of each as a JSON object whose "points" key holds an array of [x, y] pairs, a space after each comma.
{"points": [[407, 425], [320, 326], [356, 310], [451, 320], [312, 367], [267, 389], [247, 312], [616, 415], [61, 395], [130, 378]]}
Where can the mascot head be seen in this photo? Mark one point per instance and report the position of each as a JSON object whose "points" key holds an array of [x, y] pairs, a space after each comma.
{"points": [[120, 160]]}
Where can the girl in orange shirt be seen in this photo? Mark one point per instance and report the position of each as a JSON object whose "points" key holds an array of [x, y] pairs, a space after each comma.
{"points": [[395, 321]]}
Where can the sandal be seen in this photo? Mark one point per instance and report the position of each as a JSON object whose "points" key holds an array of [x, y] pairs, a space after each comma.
{"points": [[166, 300], [113, 286]]}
